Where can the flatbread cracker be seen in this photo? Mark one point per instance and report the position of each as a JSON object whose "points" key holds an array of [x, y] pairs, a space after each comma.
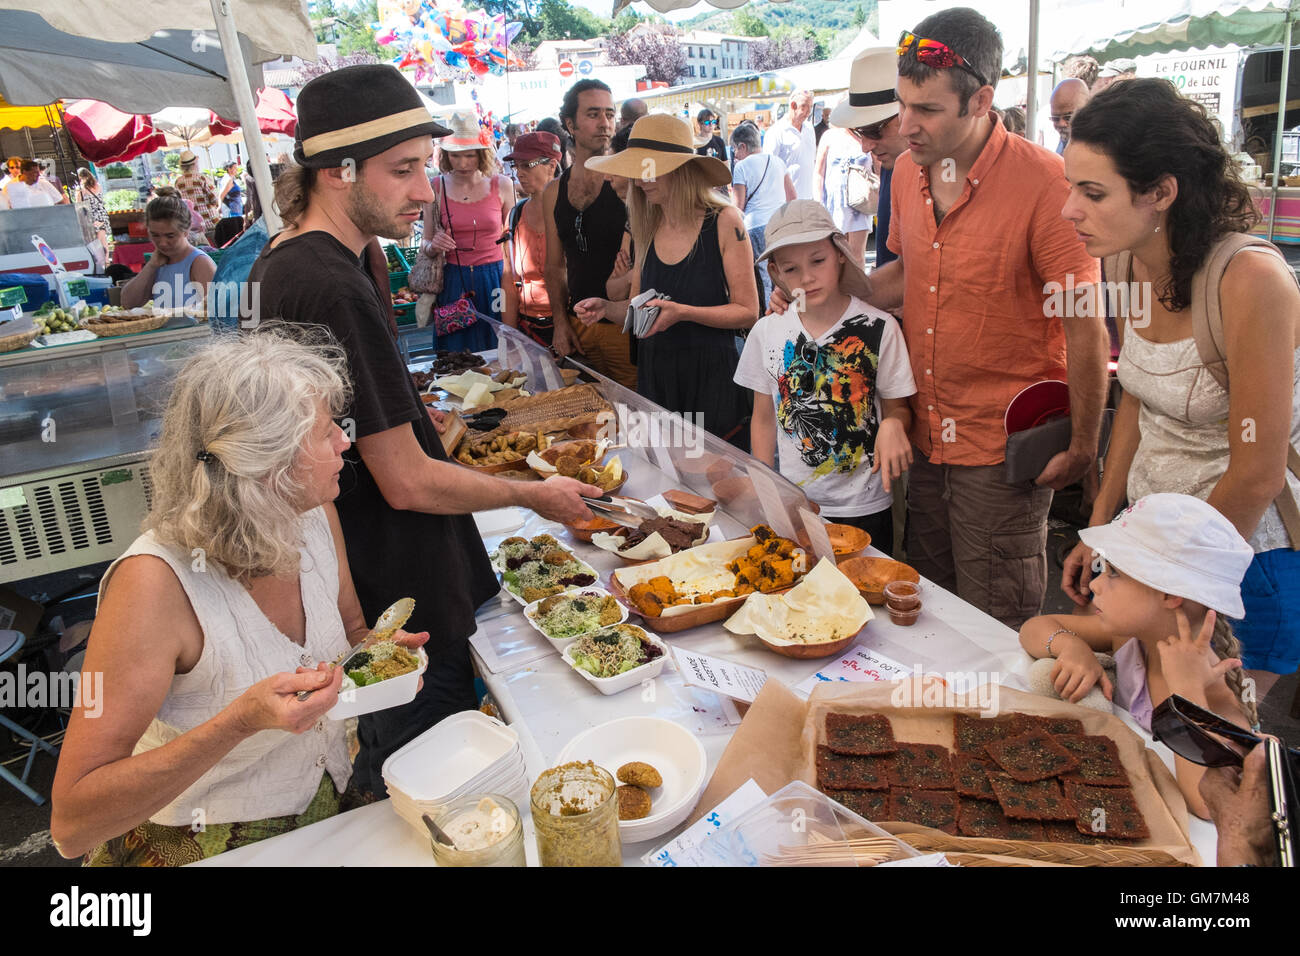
{"points": [[929, 808], [860, 734], [984, 818], [970, 777], [1040, 800], [970, 733], [1107, 811], [921, 766], [1099, 763], [1032, 756], [837, 772], [871, 805], [1027, 723]]}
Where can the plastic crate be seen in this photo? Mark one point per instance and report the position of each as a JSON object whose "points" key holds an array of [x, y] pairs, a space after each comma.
{"points": [[405, 313], [397, 281], [399, 259]]}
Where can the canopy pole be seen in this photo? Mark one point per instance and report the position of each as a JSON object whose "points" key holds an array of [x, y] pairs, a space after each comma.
{"points": [[1281, 121], [247, 109], [1031, 93]]}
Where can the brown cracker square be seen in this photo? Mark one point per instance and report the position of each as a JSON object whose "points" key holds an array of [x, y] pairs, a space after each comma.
{"points": [[871, 805], [1039, 800], [837, 772], [1027, 723], [970, 733], [1121, 820], [929, 808], [1099, 763], [921, 766], [970, 777], [984, 818], [1032, 756], [859, 734]]}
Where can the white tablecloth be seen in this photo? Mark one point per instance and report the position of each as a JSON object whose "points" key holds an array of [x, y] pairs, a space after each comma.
{"points": [[548, 704]]}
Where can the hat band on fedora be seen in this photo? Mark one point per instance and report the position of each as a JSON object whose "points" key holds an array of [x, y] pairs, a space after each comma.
{"points": [[638, 142], [363, 132], [873, 99]]}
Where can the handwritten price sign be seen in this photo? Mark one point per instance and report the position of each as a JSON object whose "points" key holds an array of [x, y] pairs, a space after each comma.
{"points": [[859, 664]]}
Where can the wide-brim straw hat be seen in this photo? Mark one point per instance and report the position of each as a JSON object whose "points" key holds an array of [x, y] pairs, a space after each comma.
{"points": [[658, 145], [806, 220], [872, 77], [466, 135]]}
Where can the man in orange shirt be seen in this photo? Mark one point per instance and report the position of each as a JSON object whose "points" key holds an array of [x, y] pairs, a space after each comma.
{"points": [[976, 217]]}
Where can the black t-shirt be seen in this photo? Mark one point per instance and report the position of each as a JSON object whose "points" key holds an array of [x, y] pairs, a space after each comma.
{"points": [[438, 560]]}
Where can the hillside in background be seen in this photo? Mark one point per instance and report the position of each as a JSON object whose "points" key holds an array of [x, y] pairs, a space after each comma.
{"points": [[841, 16]]}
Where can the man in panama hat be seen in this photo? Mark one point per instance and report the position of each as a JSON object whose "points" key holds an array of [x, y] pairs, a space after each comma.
{"points": [[362, 143]]}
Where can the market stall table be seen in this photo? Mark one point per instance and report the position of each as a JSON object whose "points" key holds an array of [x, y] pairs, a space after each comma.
{"points": [[548, 704]]}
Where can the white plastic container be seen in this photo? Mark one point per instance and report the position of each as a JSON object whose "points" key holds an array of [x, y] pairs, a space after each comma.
{"points": [[632, 678], [560, 643], [667, 746], [450, 754], [355, 701]]}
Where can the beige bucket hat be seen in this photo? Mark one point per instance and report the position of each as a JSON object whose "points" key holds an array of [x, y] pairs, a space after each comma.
{"points": [[806, 220]]}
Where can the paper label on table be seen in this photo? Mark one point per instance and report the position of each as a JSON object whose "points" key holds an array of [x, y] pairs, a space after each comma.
{"points": [[748, 795], [859, 664], [728, 678], [12, 498]]}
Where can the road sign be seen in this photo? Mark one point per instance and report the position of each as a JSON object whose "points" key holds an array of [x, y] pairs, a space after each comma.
{"points": [[566, 68], [585, 67]]}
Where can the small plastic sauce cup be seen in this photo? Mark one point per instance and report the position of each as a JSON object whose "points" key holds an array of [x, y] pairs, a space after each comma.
{"points": [[903, 599]]}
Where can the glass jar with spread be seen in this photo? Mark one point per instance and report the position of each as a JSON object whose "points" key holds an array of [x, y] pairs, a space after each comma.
{"points": [[485, 829], [903, 599], [575, 816]]}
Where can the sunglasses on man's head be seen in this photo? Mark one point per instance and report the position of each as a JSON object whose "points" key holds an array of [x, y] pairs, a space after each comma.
{"points": [[875, 130], [937, 55]]}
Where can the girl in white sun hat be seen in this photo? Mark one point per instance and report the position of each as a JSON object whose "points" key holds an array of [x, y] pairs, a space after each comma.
{"points": [[1168, 576]]}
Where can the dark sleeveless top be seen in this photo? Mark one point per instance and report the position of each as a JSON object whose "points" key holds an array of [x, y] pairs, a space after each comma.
{"points": [[690, 367], [603, 224]]}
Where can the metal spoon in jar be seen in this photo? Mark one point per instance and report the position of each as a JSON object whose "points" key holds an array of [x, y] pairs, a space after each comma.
{"points": [[397, 614]]}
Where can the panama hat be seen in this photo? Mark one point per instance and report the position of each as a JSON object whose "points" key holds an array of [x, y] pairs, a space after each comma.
{"points": [[658, 145], [188, 158], [806, 220], [358, 112], [1177, 545], [871, 98], [466, 135]]}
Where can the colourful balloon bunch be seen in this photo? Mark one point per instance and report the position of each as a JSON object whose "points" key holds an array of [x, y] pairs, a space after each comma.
{"points": [[427, 33]]}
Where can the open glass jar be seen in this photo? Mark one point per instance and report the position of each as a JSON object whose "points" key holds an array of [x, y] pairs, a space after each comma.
{"points": [[486, 830], [575, 816]]}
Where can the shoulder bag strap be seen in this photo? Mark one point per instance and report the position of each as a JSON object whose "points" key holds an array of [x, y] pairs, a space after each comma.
{"points": [[1207, 329]]}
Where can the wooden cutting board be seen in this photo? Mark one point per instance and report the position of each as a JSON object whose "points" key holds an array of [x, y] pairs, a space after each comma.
{"points": [[455, 431]]}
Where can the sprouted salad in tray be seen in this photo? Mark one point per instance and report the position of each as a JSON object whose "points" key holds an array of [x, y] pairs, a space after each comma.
{"points": [[574, 613], [613, 650], [532, 569], [379, 662]]}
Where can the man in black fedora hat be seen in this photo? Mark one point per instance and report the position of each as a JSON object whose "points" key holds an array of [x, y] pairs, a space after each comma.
{"points": [[362, 143]]}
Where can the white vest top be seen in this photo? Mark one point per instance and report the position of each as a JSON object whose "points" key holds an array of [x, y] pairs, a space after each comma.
{"points": [[272, 773]]}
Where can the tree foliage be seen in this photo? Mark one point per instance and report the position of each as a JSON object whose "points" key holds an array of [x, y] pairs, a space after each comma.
{"points": [[746, 24], [352, 30], [561, 21], [659, 52], [785, 48], [328, 64]]}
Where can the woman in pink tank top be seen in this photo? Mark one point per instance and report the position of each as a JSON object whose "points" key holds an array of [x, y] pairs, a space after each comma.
{"points": [[472, 201]]}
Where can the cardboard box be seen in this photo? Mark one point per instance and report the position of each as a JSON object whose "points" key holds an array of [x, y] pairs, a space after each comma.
{"points": [[18, 613]]}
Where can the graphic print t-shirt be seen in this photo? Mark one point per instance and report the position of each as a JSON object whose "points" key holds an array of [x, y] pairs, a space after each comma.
{"points": [[828, 394]]}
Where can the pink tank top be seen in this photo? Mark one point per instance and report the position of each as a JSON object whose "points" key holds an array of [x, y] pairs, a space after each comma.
{"points": [[476, 227]]}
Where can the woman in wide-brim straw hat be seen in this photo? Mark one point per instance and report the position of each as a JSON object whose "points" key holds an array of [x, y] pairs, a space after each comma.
{"points": [[471, 204], [689, 244]]}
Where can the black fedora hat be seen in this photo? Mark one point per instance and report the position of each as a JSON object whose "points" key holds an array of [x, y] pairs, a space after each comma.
{"points": [[358, 112]]}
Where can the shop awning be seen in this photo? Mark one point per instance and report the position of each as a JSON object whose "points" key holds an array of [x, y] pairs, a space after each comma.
{"points": [[28, 117], [1190, 25]]}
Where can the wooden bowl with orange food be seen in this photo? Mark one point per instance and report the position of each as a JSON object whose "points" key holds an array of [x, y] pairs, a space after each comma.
{"points": [[847, 541], [870, 575]]}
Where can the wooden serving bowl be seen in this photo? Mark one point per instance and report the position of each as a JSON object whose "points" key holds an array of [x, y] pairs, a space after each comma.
{"points": [[699, 614], [589, 430], [847, 541], [810, 652], [870, 575]]}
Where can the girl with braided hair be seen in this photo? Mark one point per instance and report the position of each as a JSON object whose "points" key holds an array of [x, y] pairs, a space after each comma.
{"points": [[1167, 576]]}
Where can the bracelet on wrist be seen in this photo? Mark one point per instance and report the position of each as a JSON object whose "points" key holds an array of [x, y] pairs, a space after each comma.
{"points": [[1052, 636]]}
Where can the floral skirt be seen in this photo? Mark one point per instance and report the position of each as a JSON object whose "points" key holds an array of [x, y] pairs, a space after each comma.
{"points": [[155, 844]]}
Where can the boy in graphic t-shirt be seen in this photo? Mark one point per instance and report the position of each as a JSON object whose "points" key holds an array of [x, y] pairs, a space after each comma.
{"points": [[830, 376]]}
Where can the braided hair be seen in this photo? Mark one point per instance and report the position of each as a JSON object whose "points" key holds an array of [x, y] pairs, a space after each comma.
{"points": [[1224, 643]]}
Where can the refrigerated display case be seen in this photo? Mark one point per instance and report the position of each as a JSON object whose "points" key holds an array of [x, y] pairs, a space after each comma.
{"points": [[77, 423]]}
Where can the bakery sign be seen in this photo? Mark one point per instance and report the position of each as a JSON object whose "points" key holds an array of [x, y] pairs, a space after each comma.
{"points": [[1207, 76]]}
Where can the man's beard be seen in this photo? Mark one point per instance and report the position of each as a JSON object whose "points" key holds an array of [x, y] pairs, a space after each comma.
{"points": [[367, 215]]}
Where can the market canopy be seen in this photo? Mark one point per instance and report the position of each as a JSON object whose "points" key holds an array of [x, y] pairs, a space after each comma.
{"points": [[153, 69], [28, 117], [1190, 25], [107, 135]]}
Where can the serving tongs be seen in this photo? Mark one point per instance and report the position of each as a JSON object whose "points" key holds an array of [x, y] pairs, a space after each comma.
{"points": [[628, 512], [397, 614]]}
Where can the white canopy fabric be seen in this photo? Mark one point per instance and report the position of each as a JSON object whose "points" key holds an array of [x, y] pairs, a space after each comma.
{"points": [[39, 64], [1184, 25]]}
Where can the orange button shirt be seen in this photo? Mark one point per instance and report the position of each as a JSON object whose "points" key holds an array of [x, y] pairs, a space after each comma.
{"points": [[974, 299]]}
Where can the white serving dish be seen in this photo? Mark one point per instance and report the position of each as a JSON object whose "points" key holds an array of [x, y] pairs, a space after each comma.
{"points": [[632, 678], [451, 753], [560, 643], [585, 566], [354, 701], [500, 521], [667, 746]]}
